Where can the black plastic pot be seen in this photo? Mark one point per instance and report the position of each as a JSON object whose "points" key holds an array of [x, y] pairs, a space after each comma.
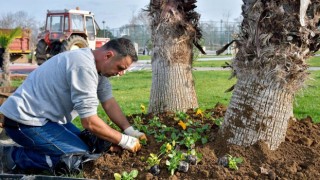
{"points": [[223, 161], [183, 166], [192, 159], [155, 170]]}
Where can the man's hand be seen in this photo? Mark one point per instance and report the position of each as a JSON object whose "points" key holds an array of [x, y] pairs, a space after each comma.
{"points": [[130, 143], [135, 133]]}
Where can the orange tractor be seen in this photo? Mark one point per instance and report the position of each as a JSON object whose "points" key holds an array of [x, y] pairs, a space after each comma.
{"points": [[67, 30]]}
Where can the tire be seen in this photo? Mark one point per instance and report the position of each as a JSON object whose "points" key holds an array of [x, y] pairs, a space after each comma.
{"points": [[74, 42], [1, 58], [41, 52]]}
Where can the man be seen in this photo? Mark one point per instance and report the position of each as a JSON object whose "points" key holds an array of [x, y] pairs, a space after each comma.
{"points": [[38, 114]]}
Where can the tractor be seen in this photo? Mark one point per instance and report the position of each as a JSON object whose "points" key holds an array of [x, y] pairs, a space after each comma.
{"points": [[67, 30]]}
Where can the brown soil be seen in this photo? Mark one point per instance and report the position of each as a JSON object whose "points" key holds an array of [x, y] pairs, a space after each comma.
{"points": [[296, 158]]}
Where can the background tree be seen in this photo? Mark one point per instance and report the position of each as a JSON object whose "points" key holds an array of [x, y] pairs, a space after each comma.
{"points": [[20, 19], [174, 29], [5, 40], [275, 41]]}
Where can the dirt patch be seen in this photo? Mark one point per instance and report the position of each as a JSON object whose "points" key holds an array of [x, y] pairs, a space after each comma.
{"points": [[297, 158]]}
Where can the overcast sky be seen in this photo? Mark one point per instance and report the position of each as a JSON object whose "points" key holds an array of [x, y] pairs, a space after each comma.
{"points": [[117, 12]]}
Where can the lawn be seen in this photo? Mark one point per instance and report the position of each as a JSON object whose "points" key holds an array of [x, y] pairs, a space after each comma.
{"points": [[133, 89], [312, 62]]}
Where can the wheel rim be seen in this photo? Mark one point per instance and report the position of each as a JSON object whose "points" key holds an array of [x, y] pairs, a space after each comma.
{"points": [[75, 46]]}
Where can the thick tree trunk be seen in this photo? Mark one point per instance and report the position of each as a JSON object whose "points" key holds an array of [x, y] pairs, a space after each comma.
{"points": [[5, 79], [172, 87], [275, 40], [258, 110], [174, 31]]}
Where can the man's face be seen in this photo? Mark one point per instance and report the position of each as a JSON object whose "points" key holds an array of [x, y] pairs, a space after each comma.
{"points": [[114, 66]]}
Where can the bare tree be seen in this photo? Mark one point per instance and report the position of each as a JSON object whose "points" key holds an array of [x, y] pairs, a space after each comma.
{"points": [[174, 31], [20, 19], [275, 41]]}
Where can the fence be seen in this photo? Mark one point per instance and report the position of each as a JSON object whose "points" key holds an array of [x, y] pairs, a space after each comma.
{"points": [[215, 34]]}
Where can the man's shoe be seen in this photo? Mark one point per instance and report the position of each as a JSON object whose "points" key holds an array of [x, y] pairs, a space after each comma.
{"points": [[5, 140], [7, 164], [8, 142]]}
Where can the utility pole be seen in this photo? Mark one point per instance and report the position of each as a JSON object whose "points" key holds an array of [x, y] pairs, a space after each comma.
{"points": [[104, 29], [221, 40]]}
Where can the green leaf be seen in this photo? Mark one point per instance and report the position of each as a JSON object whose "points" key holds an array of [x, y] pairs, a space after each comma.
{"points": [[117, 176], [204, 140], [125, 174], [238, 160], [134, 173], [6, 39]]}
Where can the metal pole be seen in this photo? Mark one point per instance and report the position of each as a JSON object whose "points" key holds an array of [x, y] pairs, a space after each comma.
{"points": [[104, 29]]}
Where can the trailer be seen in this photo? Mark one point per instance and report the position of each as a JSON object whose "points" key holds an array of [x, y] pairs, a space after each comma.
{"points": [[20, 46]]}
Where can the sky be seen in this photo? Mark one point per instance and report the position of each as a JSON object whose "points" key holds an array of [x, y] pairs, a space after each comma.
{"points": [[116, 13]]}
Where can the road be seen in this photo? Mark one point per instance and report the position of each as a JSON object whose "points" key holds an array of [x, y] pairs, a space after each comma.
{"points": [[25, 68]]}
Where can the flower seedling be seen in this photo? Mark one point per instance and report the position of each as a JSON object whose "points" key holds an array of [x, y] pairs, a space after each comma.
{"points": [[143, 109], [229, 161], [160, 137], [137, 122], [125, 175], [181, 116], [166, 148], [143, 142], [199, 113], [218, 122], [234, 161], [153, 164], [183, 125], [174, 162]]}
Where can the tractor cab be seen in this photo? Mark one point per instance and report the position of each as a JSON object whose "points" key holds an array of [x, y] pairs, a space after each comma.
{"points": [[66, 30]]}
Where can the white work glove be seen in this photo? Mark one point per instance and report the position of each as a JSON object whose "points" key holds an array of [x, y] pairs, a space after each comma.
{"points": [[135, 133], [130, 143]]}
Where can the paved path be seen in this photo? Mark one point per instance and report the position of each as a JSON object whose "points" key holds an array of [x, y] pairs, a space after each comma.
{"points": [[23, 68]]}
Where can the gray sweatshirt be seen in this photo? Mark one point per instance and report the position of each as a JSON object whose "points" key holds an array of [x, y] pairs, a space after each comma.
{"points": [[66, 82]]}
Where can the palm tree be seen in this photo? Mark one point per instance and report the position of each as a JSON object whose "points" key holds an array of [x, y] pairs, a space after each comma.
{"points": [[275, 41], [174, 31], [5, 40]]}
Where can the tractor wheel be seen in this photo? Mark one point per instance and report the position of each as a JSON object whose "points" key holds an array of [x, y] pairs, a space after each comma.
{"points": [[41, 52], [74, 42], [1, 58]]}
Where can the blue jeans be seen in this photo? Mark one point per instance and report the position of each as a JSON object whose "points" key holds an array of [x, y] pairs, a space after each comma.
{"points": [[42, 146]]}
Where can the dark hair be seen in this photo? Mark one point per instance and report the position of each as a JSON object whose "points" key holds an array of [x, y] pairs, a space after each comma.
{"points": [[123, 47]]}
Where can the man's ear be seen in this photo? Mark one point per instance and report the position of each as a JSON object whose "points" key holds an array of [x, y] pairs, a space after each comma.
{"points": [[109, 54]]}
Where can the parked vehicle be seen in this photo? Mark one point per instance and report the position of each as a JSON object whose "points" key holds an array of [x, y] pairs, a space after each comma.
{"points": [[20, 46], [67, 30]]}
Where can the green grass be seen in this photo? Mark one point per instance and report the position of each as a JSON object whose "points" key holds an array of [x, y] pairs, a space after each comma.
{"points": [[215, 63], [16, 83], [133, 89], [144, 57], [148, 57], [307, 101], [313, 61]]}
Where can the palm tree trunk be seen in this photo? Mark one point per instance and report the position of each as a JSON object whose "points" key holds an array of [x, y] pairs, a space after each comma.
{"points": [[258, 110], [174, 29], [172, 87], [6, 81], [274, 44]]}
